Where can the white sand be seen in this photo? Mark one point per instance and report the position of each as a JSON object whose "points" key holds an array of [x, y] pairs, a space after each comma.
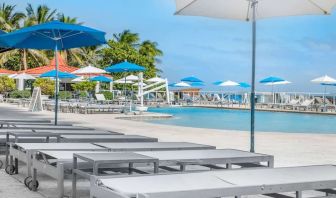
{"points": [[289, 149]]}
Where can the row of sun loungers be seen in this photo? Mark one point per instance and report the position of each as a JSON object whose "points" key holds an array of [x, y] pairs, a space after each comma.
{"points": [[129, 166]]}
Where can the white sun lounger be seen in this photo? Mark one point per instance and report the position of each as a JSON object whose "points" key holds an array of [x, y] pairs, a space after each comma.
{"points": [[212, 159], [154, 146], [46, 127], [56, 161], [240, 182], [106, 138]]}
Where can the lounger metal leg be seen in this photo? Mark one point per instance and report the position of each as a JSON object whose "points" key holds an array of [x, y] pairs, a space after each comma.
{"points": [[130, 168], [95, 168], [74, 178], [156, 167], [28, 161], [229, 166], [16, 165], [60, 180], [271, 163], [298, 194]]}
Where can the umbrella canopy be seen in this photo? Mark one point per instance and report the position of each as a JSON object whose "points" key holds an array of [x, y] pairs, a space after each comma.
{"points": [[132, 78], [252, 10], [155, 79], [324, 80], [272, 79], [12, 75], [55, 36], [24, 76], [124, 67], [54, 73], [239, 9], [79, 79], [285, 82], [89, 70], [191, 79], [244, 85], [228, 83], [101, 79], [180, 84], [196, 84]]}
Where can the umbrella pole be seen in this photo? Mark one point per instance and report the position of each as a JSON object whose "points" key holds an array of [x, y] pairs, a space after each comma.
{"points": [[56, 86], [254, 4], [125, 94]]}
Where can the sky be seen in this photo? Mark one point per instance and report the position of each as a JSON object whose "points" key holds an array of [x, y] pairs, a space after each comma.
{"points": [[297, 49]]}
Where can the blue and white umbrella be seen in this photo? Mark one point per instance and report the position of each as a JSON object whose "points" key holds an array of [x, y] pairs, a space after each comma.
{"points": [[191, 79], [273, 80], [325, 81]]}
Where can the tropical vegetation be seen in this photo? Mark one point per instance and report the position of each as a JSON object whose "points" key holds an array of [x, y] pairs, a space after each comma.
{"points": [[6, 84], [122, 46], [46, 84]]}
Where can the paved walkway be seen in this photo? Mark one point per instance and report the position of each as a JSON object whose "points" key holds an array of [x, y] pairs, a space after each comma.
{"points": [[12, 188]]}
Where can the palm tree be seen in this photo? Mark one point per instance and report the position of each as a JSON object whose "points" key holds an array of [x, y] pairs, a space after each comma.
{"points": [[127, 37], [9, 18], [41, 14], [66, 19], [150, 49]]}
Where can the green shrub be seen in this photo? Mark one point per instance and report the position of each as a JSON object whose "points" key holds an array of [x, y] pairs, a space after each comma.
{"points": [[20, 94], [46, 84], [84, 86], [64, 95], [108, 95], [83, 95], [6, 84]]}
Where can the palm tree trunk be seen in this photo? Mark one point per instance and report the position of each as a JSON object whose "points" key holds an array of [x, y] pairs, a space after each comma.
{"points": [[24, 60]]}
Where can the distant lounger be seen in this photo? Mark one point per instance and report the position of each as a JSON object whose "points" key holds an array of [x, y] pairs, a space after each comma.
{"points": [[240, 182]]}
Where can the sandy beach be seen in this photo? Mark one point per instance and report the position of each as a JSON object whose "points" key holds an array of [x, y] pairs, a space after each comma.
{"points": [[289, 149]]}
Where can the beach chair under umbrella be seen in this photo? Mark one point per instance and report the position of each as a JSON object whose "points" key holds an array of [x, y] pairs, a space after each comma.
{"points": [[252, 10], [54, 35]]}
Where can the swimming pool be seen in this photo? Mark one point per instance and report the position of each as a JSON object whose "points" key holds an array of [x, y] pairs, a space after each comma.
{"points": [[240, 119]]}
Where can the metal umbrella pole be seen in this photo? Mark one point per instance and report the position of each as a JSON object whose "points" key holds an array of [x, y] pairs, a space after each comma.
{"points": [[254, 32], [56, 86], [125, 95]]}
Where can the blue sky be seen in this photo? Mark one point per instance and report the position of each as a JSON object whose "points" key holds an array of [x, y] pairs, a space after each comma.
{"points": [[295, 48]]}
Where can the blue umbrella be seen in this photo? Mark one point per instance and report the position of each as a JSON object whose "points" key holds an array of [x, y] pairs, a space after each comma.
{"points": [[101, 79], [55, 36], [271, 79], [53, 74], [191, 79], [197, 84], [244, 85], [125, 67]]}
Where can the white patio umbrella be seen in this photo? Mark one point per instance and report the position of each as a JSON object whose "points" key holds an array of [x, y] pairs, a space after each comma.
{"points": [[155, 79], [79, 79], [89, 70], [12, 75], [182, 84], [228, 83], [325, 81], [132, 78], [251, 10], [21, 79], [122, 81]]}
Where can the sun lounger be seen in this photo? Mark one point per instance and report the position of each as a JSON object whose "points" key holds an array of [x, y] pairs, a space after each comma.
{"points": [[45, 127], [53, 161], [164, 159], [153, 146], [25, 120], [25, 151], [305, 105], [106, 138], [237, 183]]}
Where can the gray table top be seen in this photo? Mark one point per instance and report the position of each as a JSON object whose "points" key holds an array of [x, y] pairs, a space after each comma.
{"points": [[46, 127], [148, 146], [32, 134], [59, 146], [112, 157], [228, 179]]}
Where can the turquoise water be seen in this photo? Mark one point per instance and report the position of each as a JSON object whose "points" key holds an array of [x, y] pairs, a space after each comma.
{"points": [[240, 119]]}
